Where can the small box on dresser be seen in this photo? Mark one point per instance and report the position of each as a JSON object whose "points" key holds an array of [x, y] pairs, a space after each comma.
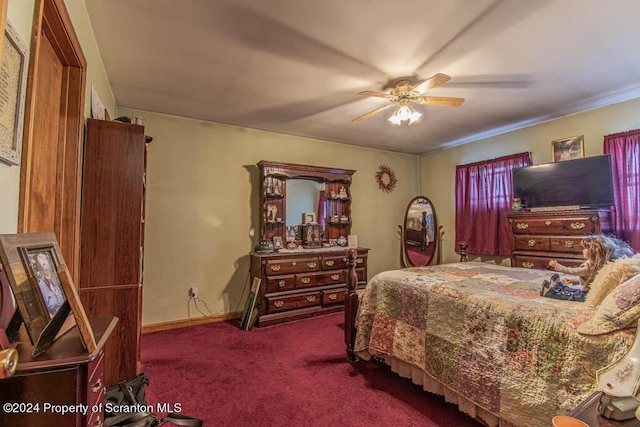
{"points": [[537, 237]]}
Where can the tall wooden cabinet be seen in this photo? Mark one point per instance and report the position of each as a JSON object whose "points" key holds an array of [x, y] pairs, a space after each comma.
{"points": [[112, 237]]}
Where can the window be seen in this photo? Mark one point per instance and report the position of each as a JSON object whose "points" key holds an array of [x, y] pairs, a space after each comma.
{"points": [[484, 191]]}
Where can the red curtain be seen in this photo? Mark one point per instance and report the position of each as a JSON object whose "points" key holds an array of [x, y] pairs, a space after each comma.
{"points": [[484, 191], [624, 149]]}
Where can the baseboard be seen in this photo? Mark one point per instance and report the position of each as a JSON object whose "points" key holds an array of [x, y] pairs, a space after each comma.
{"points": [[175, 324]]}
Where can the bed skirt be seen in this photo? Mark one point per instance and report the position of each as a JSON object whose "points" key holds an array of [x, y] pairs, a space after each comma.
{"points": [[430, 384]]}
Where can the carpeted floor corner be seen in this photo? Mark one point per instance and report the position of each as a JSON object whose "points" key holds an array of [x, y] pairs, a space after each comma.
{"points": [[290, 374]]}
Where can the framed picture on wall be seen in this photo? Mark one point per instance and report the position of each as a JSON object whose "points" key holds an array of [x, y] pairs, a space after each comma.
{"points": [[567, 148], [13, 85]]}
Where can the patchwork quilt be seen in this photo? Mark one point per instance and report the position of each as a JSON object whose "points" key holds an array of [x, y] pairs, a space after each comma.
{"points": [[483, 331]]}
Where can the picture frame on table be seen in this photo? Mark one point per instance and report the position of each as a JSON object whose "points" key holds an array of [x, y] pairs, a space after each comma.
{"points": [[47, 300], [567, 148], [277, 242], [308, 218]]}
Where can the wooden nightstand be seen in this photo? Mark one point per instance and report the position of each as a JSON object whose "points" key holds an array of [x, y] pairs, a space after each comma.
{"points": [[587, 411]]}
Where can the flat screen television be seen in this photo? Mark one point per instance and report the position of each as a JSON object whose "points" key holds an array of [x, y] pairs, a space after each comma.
{"points": [[581, 183]]}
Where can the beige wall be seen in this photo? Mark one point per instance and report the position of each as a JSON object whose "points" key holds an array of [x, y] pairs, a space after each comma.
{"points": [[20, 14], [202, 202], [437, 170], [201, 186]]}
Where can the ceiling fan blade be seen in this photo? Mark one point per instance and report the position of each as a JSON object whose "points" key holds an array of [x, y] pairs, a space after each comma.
{"points": [[371, 113], [444, 101], [372, 93], [433, 81]]}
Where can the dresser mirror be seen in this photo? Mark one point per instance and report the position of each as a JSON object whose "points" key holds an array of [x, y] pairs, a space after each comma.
{"points": [[303, 196], [293, 195], [419, 234]]}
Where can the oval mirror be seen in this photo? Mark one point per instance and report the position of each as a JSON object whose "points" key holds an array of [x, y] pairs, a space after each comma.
{"points": [[419, 234]]}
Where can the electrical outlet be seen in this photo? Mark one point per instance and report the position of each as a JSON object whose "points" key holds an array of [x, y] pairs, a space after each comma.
{"points": [[193, 292]]}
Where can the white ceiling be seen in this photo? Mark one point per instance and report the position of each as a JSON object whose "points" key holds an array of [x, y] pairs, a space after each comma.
{"points": [[296, 66]]}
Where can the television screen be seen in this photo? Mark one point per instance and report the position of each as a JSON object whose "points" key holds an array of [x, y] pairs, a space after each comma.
{"points": [[581, 182]]}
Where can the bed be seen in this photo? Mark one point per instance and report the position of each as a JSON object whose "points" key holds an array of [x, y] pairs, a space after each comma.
{"points": [[481, 335]]}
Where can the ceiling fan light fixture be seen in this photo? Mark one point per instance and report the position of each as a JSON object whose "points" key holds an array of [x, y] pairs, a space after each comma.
{"points": [[414, 117], [394, 119], [405, 114]]}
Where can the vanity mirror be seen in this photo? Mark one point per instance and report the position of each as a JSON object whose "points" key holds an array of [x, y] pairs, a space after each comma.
{"points": [[293, 195], [419, 234]]}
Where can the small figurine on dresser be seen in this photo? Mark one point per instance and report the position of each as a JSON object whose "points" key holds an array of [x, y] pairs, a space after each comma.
{"points": [[343, 193]]}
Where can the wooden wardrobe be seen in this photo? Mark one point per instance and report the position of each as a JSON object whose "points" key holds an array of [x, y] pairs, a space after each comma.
{"points": [[112, 238]]}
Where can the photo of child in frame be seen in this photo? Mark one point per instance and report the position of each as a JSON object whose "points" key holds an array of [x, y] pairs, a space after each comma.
{"points": [[43, 269]]}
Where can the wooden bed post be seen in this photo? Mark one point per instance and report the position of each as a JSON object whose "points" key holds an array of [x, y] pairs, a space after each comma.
{"points": [[351, 305], [463, 251]]}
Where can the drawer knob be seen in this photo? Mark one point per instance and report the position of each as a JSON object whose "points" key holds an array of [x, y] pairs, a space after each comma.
{"points": [[522, 226], [278, 304], [311, 298], [312, 264], [547, 222], [359, 261], [531, 242], [97, 386], [275, 267], [333, 297], [306, 280], [568, 244], [577, 225], [335, 276], [527, 264], [330, 263], [294, 263], [281, 283]]}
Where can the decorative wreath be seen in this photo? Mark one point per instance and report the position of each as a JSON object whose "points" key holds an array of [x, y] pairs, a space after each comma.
{"points": [[386, 179]]}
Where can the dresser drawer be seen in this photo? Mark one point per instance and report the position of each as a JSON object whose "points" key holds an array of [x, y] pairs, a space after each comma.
{"points": [[361, 274], [532, 243], [276, 304], [542, 263], [95, 385], [334, 262], [317, 279], [576, 225], [333, 296], [531, 262], [566, 244], [286, 266], [281, 283]]}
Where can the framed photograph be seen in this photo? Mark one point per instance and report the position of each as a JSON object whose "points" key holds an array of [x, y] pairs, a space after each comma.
{"points": [[43, 289], [277, 242], [311, 237], [567, 148], [308, 218], [13, 85]]}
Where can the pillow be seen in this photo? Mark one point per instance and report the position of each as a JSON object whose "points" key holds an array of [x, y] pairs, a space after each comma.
{"points": [[618, 310], [610, 276]]}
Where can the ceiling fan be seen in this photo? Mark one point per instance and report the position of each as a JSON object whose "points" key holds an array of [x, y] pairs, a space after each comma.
{"points": [[405, 93]]}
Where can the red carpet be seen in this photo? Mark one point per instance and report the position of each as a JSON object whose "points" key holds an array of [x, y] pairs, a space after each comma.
{"points": [[291, 374]]}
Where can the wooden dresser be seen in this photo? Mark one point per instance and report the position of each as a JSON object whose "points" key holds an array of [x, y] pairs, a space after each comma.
{"points": [[303, 283], [537, 237], [63, 378]]}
